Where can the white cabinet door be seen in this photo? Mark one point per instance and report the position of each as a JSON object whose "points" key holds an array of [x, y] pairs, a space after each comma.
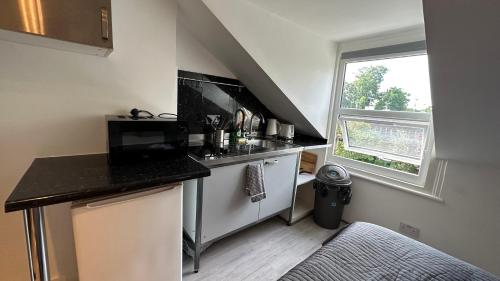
{"points": [[226, 206], [279, 180], [132, 237]]}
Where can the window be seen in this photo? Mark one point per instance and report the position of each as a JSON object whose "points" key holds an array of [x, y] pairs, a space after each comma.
{"points": [[383, 114]]}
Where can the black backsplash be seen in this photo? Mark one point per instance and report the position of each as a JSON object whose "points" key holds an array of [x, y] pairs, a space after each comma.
{"points": [[197, 100]]}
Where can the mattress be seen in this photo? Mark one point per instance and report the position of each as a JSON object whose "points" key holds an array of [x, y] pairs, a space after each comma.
{"points": [[364, 251]]}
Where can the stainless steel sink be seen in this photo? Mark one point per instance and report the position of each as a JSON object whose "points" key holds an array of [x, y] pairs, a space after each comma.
{"points": [[262, 143], [253, 149]]}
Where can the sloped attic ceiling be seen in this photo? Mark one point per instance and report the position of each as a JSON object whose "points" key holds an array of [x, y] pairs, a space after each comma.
{"points": [[289, 69]]}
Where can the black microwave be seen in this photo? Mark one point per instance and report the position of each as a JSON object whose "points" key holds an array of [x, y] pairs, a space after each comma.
{"points": [[132, 139]]}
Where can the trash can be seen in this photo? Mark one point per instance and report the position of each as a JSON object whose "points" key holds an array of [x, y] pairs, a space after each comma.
{"points": [[333, 192]]}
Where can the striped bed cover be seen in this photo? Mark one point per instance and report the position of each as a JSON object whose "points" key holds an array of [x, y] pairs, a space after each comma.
{"points": [[364, 251]]}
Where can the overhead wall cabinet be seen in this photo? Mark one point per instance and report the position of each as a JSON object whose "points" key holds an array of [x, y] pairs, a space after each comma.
{"points": [[71, 25]]}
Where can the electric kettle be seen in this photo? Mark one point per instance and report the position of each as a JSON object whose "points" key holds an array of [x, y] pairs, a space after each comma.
{"points": [[273, 127], [286, 131]]}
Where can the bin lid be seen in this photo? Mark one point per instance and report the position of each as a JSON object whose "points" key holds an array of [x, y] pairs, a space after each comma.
{"points": [[333, 174]]}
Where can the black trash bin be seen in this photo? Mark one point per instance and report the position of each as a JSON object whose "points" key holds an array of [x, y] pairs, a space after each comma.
{"points": [[333, 192]]}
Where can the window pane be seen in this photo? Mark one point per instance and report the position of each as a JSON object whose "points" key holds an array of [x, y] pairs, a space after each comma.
{"points": [[393, 84], [391, 141], [341, 151]]}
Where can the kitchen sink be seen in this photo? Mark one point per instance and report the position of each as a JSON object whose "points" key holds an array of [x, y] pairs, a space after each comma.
{"points": [[252, 149], [262, 143]]}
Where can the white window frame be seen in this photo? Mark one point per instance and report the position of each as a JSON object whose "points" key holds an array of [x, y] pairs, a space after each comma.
{"points": [[410, 119], [378, 173]]}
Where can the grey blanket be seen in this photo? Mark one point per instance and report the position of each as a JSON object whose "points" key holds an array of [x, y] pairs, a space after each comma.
{"points": [[365, 251]]}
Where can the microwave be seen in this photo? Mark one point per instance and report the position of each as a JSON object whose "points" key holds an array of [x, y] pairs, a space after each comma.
{"points": [[132, 139]]}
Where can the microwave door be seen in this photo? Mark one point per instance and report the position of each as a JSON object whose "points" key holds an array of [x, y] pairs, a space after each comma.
{"points": [[145, 139], [135, 140]]}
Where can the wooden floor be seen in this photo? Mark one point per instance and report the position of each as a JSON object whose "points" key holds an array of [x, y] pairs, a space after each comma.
{"points": [[263, 252]]}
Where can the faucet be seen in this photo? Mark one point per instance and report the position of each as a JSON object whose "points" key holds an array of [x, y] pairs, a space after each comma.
{"points": [[243, 115], [262, 120]]}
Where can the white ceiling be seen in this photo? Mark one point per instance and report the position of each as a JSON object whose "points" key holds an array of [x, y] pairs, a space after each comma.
{"points": [[340, 20]]}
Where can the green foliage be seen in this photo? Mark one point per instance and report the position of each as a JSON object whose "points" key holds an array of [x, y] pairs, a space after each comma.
{"points": [[365, 89], [364, 92], [394, 99], [396, 165]]}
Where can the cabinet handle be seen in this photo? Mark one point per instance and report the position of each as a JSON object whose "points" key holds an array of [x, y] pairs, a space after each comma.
{"points": [[104, 23], [273, 162]]}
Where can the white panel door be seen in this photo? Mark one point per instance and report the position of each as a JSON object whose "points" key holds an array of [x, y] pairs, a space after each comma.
{"points": [[279, 180], [129, 238], [226, 206]]}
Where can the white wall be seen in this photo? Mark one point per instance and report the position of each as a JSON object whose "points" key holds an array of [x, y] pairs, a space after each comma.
{"points": [[53, 103], [193, 56], [464, 61], [298, 61], [466, 224], [201, 22]]}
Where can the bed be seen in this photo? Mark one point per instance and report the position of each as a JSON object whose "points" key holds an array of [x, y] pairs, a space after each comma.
{"points": [[364, 251]]}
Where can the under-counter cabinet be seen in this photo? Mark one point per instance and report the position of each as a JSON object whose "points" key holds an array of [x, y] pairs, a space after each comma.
{"points": [[227, 208], [279, 182], [130, 237]]}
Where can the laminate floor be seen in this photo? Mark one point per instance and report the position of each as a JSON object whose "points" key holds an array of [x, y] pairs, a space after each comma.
{"points": [[263, 252]]}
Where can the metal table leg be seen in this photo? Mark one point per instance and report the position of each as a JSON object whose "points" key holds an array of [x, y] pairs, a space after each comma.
{"points": [[197, 237], [28, 231], [41, 244], [34, 227]]}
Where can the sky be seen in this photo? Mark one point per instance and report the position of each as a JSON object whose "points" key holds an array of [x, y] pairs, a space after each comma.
{"points": [[409, 73]]}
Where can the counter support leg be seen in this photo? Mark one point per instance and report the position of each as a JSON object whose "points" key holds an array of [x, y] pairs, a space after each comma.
{"points": [[34, 228], [28, 232], [41, 244], [297, 171], [197, 239]]}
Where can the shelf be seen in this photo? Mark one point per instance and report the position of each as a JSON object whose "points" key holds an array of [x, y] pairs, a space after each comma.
{"points": [[301, 209], [305, 178], [319, 146]]}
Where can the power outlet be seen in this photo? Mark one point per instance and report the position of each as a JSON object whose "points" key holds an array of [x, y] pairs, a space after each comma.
{"points": [[408, 230]]}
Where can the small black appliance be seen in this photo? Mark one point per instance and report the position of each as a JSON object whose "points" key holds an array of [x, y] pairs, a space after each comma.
{"points": [[133, 138]]}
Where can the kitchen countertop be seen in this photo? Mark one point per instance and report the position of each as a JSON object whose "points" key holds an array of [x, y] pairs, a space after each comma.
{"points": [[309, 142], [251, 152], [56, 180]]}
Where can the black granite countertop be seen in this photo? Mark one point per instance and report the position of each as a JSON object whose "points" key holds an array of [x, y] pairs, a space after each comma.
{"points": [[63, 179], [308, 141]]}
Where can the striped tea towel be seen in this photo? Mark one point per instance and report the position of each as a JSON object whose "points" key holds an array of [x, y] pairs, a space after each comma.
{"points": [[254, 183]]}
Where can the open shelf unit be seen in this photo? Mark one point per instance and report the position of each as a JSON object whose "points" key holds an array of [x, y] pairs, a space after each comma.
{"points": [[302, 209], [304, 194], [304, 178]]}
